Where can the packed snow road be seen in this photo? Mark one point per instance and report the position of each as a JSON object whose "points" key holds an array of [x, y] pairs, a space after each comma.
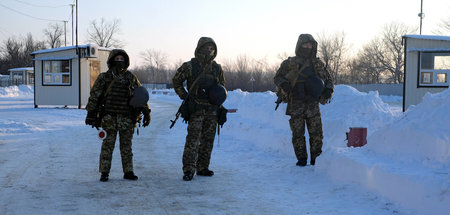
{"points": [[49, 165]]}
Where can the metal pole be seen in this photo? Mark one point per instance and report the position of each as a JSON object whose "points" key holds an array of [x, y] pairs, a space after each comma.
{"points": [[65, 33], [421, 15], [72, 5], [79, 60], [76, 24]]}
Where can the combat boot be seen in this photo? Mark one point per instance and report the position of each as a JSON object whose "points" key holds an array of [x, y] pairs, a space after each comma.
{"points": [[104, 177], [301, 162], [188, 176], [205, 172], [130, 176], [313, 161]]}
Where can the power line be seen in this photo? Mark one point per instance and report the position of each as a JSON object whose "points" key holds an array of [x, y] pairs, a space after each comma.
{"points": [[51, 20], [35, 5]]}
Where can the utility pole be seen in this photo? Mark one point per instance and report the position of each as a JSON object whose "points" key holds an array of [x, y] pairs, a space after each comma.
{"points": [[72, 5], [421, 15], [65, 33], [76, 23]]}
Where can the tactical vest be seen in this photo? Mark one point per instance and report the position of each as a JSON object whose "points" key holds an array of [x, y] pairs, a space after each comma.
{"points": [[300, 91], [118, 96], [205, 81]]}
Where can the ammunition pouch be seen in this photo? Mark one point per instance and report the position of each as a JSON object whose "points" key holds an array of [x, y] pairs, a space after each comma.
{"points": [[222, 115]]}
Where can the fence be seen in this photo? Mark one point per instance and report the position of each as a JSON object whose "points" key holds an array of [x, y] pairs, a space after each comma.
{"points": [[383, 89]]}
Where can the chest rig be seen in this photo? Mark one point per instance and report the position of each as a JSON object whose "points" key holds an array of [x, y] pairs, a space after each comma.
{"points": [[118, 95], [207, 77]]}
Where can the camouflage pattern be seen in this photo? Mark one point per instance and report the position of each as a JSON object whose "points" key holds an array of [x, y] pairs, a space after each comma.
{"points": [[203, 115], [119, 116], [199, 142], [125, 126], [304, 111], [308, 112]]}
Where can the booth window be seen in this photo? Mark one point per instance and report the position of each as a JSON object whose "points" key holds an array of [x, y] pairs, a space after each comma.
{"points": [[434, 69], [56, 72]]}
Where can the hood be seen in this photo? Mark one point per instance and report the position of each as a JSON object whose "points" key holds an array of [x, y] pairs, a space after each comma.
{"points": [[116, 52], [304, 38], [201, 42]]}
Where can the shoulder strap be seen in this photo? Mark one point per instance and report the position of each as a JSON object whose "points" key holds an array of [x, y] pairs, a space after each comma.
{"points": [[292, 75]]}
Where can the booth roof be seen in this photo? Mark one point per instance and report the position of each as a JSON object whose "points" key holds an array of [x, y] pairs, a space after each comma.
{"points": [[21, 69], [428, 37], [66, 48]]}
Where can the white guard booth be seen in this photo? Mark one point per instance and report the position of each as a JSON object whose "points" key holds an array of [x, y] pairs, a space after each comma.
{"points": [[24, 75], [427, 66], [65, 75]]}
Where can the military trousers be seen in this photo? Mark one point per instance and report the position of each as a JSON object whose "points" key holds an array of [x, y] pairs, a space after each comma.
{"points": [[306, 114], [199, 142], [124, 126]]}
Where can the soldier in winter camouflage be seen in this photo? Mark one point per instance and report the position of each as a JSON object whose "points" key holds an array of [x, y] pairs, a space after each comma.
{"points": [[108, 107], [304, 82], [201, 73]]}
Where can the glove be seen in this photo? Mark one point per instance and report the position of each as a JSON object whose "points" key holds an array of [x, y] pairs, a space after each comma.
{"points": [[326, 94], [286, 87], [222, 115], [147, 118], [91, 118]]}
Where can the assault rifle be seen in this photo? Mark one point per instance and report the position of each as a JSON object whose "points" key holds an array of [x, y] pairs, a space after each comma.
{"points": [[180, 109], [279, 100]]}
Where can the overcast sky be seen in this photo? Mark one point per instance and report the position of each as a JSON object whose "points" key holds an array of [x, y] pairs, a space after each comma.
{"points": [[256, 28]]}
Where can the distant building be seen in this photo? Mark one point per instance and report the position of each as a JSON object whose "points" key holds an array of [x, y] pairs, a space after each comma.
{"points": [[4, 80], [24, 75], [64, 76], [427, 66]]}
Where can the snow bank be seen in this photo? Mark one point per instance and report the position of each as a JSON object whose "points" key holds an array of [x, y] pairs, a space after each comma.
{"points": [[422, 134], [22, 91]]}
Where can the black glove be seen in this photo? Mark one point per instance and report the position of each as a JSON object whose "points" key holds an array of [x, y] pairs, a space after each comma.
{"points": [[286, 87], [147, 118], [222, 115], [91, 119], [326, 94]]}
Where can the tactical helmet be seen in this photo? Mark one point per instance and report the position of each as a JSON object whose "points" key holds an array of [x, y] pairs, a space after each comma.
{"points": [[314, 86], [217, 94], [140, 97]]}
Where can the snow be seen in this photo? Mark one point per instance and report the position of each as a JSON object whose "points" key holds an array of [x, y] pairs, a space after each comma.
{"points": [[49, 160]]}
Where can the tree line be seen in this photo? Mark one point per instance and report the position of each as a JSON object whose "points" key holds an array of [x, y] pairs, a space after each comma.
{"points": [[378, 61]]}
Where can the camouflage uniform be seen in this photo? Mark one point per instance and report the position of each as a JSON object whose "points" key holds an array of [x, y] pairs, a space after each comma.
{"points": [[118, 115], [204, 71], [301, 107]]}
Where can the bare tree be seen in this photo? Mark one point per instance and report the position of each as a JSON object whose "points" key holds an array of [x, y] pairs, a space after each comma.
{"points": [[155, 63], [390, 53], [332, 49], [443, 27], [104, 33], [366, 68], [53, 34], [16, 52]]}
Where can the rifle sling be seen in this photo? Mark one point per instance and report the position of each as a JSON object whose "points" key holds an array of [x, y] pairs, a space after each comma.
{"points": [[295, 74]]}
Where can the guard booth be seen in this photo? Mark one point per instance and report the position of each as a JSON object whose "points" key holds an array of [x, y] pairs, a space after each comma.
{"points": [[427, 66], [19, 76], [64, 76]]}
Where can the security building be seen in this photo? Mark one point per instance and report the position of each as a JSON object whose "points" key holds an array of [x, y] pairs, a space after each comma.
{"points": [[64, 76], [24, 75], [427, 66]]}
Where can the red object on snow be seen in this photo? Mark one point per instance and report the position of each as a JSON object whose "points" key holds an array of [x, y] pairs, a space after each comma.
{"points": [[102, 134], [232, 110], [357, 137]]}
